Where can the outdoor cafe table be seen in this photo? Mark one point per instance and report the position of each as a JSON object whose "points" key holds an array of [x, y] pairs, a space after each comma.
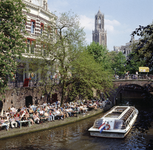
{"points": [[23, 121]]}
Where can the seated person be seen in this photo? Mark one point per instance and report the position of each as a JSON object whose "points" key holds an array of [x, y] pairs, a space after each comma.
{"points": [[17, 118], [24, 119], [31, 110], [13, 122], [41, 112], [95, 105], [91, 106], [28, 117], [69, 111], [46, 115], [51, 116], [36, 118], [5, 123], [59, 114], [65, 113]]}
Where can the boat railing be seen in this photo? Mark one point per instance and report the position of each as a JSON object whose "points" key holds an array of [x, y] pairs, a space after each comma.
{"points": [[127, 115], [129, 118]]}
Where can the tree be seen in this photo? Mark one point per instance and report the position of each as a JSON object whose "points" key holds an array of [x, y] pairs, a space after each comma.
{"points": [[77, 70], [134, 62], [144, 48], [100, 54], [61, 47], [118, 64], [87, 75], [12, 23]]}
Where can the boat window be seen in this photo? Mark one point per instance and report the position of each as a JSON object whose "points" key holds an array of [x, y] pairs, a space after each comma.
{"points": [[118, 124], [98, 123], [113, 115]]}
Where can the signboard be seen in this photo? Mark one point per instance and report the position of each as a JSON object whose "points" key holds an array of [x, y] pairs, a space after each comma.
{"points": [[143, 69]]}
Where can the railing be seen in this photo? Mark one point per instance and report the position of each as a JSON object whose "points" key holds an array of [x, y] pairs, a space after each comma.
{"points": [[116, 77], [134, 77], [19, 84], [30, 84]]}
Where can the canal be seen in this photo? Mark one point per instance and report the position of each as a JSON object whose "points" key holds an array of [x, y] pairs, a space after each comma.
{"points": [[76, 136]]}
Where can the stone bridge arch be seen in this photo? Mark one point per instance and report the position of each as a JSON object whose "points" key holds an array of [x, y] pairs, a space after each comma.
{"points": [[127, 87], [119, 85]]}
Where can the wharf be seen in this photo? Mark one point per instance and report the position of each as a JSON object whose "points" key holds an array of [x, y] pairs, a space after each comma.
{"points": [[47, 125]]}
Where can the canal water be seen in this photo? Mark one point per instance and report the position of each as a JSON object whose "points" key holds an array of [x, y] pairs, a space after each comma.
{"points": [[76, 137]]}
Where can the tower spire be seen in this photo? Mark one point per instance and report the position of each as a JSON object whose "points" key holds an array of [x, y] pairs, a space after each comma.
{"points": [[99, 34]]}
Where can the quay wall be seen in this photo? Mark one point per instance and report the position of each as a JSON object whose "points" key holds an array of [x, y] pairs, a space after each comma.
{"points": [[19, 97], [49, 125]]}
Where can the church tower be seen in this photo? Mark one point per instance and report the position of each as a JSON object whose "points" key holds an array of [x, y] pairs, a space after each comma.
{"points": [[99, 35]]}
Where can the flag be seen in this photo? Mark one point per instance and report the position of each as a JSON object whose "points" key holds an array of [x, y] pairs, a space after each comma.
{"points": [[102, 127]]}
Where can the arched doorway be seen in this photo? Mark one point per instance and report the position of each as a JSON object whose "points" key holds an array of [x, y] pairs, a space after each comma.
{"points": [[28, 100], [1, 106], [54, 97]]}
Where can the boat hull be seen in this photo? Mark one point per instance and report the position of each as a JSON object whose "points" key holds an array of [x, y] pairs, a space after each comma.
{"points": [[108, 134]]}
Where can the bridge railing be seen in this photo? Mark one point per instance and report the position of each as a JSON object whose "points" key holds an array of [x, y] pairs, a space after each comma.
{"points": [[134, 77]]}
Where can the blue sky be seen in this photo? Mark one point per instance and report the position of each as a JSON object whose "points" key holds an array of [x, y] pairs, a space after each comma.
{"points": [[121, 16]]}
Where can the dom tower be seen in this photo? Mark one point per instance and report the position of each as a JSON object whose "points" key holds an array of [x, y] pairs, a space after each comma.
{"points": [[99, 35]]}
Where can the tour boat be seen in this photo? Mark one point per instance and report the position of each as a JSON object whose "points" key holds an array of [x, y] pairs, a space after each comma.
{"points": [[116, 123]]}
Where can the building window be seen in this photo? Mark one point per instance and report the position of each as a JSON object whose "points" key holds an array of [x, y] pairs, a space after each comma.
{"points": [[49, 31], [44, 50], [41, 28], [30, 46], [33, 24]]}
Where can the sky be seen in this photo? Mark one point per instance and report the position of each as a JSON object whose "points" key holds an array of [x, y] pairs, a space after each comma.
{"points": [[121, 17]]}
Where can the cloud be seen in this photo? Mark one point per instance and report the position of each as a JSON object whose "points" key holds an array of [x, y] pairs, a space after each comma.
{"points": [[109, 28], [111, 24], [87, 22]]}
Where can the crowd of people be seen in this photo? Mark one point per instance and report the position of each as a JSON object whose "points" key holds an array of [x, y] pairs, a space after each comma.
{"points": [[37, 114]]}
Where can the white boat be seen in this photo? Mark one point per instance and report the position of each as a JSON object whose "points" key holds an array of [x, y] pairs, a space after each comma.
{"points": [[116, 123]]}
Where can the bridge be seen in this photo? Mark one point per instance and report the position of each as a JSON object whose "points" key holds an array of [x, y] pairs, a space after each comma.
{"points": [[137, 85], [123, 82]]}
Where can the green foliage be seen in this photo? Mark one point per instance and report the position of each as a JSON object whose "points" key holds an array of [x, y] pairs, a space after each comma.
{"points": [[134, 62], [88, 75], [12, 22], [144, 48], [77, 70], [100, 54], [118, 63]]}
